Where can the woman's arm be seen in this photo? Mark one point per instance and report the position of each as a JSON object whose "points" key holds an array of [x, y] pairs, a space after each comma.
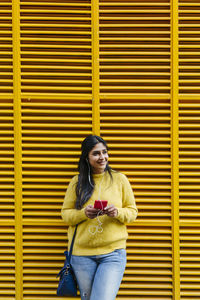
{"points": [[128, 212], [70, 215]]}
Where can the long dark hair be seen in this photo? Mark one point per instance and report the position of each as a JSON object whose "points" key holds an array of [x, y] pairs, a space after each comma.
{"points": [[85, 185]]}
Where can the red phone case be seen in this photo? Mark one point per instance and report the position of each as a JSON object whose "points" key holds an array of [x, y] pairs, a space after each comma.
{"points": [[100, 204]]}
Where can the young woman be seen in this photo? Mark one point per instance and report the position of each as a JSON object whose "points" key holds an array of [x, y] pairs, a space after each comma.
{"points": [[99, 255]]}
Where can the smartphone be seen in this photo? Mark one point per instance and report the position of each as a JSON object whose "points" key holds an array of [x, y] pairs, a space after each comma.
{"points": [[100, 204]]}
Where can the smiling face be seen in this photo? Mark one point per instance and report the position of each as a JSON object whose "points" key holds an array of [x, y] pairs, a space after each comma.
{"points": [[98, 158]]}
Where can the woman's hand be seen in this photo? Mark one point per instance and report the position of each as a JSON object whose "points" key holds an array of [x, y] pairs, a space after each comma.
{"points": [[91, 212], [111, 211]]}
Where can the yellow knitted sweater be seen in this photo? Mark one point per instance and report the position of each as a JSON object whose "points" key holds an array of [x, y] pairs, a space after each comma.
{"points": [[114, 235]]}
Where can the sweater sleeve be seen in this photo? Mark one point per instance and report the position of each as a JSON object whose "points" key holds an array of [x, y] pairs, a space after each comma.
{"points": [[128, 212], [70, 215]]}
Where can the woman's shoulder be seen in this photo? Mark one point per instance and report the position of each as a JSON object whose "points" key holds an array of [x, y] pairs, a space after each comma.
{"points": [[119, 176], [74, 180]]}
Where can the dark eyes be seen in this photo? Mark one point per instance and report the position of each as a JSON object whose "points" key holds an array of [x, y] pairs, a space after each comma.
{"points": [[98, 153]]}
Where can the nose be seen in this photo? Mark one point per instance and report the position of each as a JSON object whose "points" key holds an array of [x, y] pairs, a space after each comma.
{"points": [[101, 155]]}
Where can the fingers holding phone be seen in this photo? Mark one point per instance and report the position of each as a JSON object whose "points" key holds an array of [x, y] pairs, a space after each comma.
{"points": [[111, 211], [94, 211], [91, 212]]}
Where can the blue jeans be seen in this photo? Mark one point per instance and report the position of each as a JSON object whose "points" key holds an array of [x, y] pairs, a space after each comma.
{"points": [[99, 277]]}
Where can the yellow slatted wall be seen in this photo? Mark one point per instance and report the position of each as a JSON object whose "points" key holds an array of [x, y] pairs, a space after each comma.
{"points": [[72, 67], [189, 128], [7, 204]]}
